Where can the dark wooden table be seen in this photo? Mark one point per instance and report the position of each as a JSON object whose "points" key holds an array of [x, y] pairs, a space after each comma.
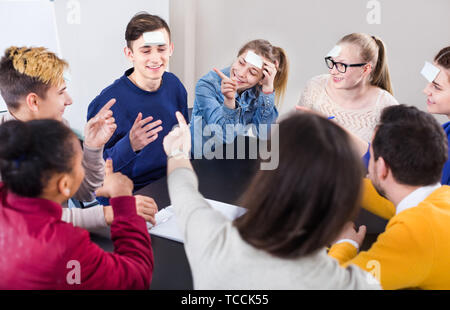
{"points": [[222, 180]]}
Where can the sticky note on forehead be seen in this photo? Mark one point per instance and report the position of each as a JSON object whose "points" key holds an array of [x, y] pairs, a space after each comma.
{"points": [[254, 59], [430, 71], [335, 51], [67, 77], [154, 38]]}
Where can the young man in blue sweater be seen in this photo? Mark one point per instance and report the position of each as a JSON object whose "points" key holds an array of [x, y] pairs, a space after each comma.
{"points": [[147, 98]]}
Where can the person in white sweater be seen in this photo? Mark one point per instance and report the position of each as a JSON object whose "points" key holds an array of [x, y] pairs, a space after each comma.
{"points": [[33, 86], [357, 87], [293, 213]]}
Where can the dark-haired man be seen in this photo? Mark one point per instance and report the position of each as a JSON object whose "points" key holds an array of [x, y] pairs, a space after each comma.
{"points": [[147, 99], [408, 152]]}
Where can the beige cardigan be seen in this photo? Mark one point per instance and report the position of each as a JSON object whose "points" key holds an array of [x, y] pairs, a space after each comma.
{"points": [[92, 218], [360, 122]]}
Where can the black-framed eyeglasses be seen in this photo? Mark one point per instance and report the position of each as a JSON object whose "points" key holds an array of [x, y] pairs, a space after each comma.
{"points": [[340, 66]]}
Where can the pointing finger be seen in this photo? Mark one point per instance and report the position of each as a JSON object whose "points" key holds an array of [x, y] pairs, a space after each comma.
{"points": [[181, 120], [109, 167], [107, 106], [220, 74]]}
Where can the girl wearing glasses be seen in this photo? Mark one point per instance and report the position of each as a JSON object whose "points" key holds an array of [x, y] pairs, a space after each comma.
{"points": [[357, 87]]}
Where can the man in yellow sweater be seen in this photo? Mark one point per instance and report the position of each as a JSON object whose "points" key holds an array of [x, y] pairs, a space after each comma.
{"points": [[408, 152]]}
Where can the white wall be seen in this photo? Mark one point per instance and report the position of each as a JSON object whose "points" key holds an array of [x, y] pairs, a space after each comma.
{"points": [[93, 45], [208, 33], [413, 30], [30, 23]]}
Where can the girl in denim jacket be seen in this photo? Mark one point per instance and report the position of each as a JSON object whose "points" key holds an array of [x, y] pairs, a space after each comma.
{"points": [[231, 101]]}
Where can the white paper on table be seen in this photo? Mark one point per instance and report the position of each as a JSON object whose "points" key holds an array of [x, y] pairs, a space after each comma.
{"points": [[168, 227]]}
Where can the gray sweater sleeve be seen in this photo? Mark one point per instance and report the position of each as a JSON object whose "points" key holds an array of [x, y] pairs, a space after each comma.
{"points": [[90, 219], [198, 221], [94, 167], [205, 231]]}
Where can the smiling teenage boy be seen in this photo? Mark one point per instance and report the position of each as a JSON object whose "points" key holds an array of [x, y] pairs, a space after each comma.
{"points": [[147, 98]]}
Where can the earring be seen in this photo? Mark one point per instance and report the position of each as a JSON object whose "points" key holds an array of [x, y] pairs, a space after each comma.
{"points": [[67, 192]]}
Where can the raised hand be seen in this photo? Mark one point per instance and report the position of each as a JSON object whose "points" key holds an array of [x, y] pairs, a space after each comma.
{"points": [[228, 88], [143, 132], [349, 232], [146, 207], [114, 184], [269, 73], [101, 127], [178, 142]]}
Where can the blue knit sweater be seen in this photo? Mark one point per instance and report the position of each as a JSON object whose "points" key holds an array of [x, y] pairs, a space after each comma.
{"points": [[149, 164], [445, 180], [446, 171]]}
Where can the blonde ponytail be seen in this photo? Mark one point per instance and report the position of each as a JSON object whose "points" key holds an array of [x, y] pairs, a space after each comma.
{"points": [[380, 76], [372, 50], [281, 78]]}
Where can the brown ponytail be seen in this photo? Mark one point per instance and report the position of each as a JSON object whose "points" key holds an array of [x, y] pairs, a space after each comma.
{"points": [[373, 51], [274, 54]]}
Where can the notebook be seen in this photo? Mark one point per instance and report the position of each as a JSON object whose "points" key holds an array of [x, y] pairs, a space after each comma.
{"points": [[166, 226]]}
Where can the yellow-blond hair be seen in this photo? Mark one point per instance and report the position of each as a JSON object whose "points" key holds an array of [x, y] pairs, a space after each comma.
{"points": [[38, 63]]}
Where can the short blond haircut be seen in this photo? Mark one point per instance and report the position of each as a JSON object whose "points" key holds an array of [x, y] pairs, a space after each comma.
{"points": [[39, 63], [29, 69]]}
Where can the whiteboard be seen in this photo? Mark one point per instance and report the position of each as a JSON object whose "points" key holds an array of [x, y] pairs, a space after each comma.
{"points": [[28, 23]]}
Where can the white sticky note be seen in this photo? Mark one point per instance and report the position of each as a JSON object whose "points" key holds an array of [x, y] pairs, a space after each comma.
{"points": [[335, 51], [66, 76], [430, 71], [254, 59], [154, 38]]}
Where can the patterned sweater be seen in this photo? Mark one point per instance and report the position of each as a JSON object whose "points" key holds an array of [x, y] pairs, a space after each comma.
{"points": [[360, 122]]}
